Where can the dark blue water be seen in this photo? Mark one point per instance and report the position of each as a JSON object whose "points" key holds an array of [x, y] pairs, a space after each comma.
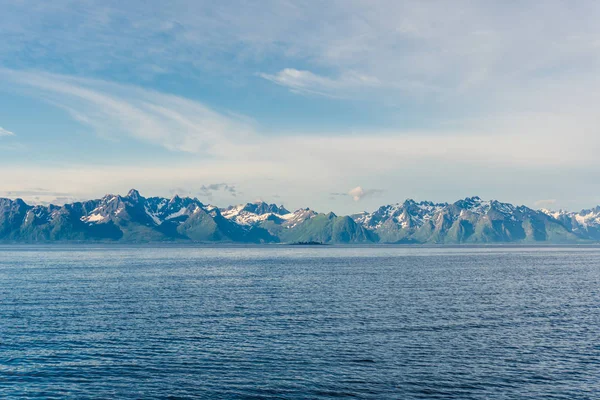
{"points": [[296, 323]]}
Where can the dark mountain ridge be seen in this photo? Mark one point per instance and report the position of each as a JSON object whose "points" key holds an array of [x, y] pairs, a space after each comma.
{"points": [[134, 218]]}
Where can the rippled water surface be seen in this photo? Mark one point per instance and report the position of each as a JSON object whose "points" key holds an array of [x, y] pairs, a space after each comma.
{"points": [[299, 322]]}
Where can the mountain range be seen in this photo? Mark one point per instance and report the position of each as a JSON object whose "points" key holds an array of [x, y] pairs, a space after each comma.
{"points": [[134, 218]]}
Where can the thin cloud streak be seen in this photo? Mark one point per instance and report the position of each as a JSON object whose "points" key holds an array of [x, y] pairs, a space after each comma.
{"points": [[5, 132], [111, 110], [310, 83], [182, 125], [234, 149], [457, 48]]}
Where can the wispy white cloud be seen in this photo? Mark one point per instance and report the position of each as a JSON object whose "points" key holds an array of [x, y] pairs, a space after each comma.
{"points": [[5, 132], [460, 46], [475, 153], [114, 110], [183, 125], [308, 82], [465, 55]]}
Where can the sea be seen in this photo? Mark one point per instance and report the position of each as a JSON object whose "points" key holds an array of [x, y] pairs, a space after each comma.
{"points": [[299, 322]]}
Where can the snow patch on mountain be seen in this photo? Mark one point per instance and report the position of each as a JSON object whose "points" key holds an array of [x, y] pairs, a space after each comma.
{"points": [[152, 215], [582, 220], [177, 214], [253, 213], [588, 217], [94, 218], [407, 214], [298, 217]]}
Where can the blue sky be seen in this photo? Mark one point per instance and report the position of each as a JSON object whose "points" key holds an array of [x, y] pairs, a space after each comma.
{"points": [[300, 103]]}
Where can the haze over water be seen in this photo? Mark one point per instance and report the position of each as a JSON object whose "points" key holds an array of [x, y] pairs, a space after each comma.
{"points": [[299, 322]]}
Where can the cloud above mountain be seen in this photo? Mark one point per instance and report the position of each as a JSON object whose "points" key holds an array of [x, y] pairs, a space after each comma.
{"points": [[208, 190], [358, 193]]}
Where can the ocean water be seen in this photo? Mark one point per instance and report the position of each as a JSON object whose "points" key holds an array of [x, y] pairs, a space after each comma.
{"points": [[299, 322]]}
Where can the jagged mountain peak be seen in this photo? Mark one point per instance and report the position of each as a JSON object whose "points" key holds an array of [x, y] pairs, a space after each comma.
{"points": [[136, 218], [261, 207], [586, 222], [467, 220], [110, 197], [469, 202], [477, 205], [134, 195], [4, 202], [587, 211], [408, 203], [130, 218], [254, 213]]}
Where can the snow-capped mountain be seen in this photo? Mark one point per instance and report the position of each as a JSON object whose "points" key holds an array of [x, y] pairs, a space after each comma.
{"points": [[129, 218], [471, 220], [406, 215], [261, 213], [152, 211], [253, 213], [302, 225], [139, 219], [585, 223], [298, 217]]}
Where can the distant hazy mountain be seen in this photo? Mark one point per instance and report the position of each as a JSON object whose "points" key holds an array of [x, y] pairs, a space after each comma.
{"points": [[134, 218]]}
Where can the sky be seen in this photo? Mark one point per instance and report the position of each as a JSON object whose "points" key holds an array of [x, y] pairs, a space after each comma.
{"points": [[340, 105]]}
